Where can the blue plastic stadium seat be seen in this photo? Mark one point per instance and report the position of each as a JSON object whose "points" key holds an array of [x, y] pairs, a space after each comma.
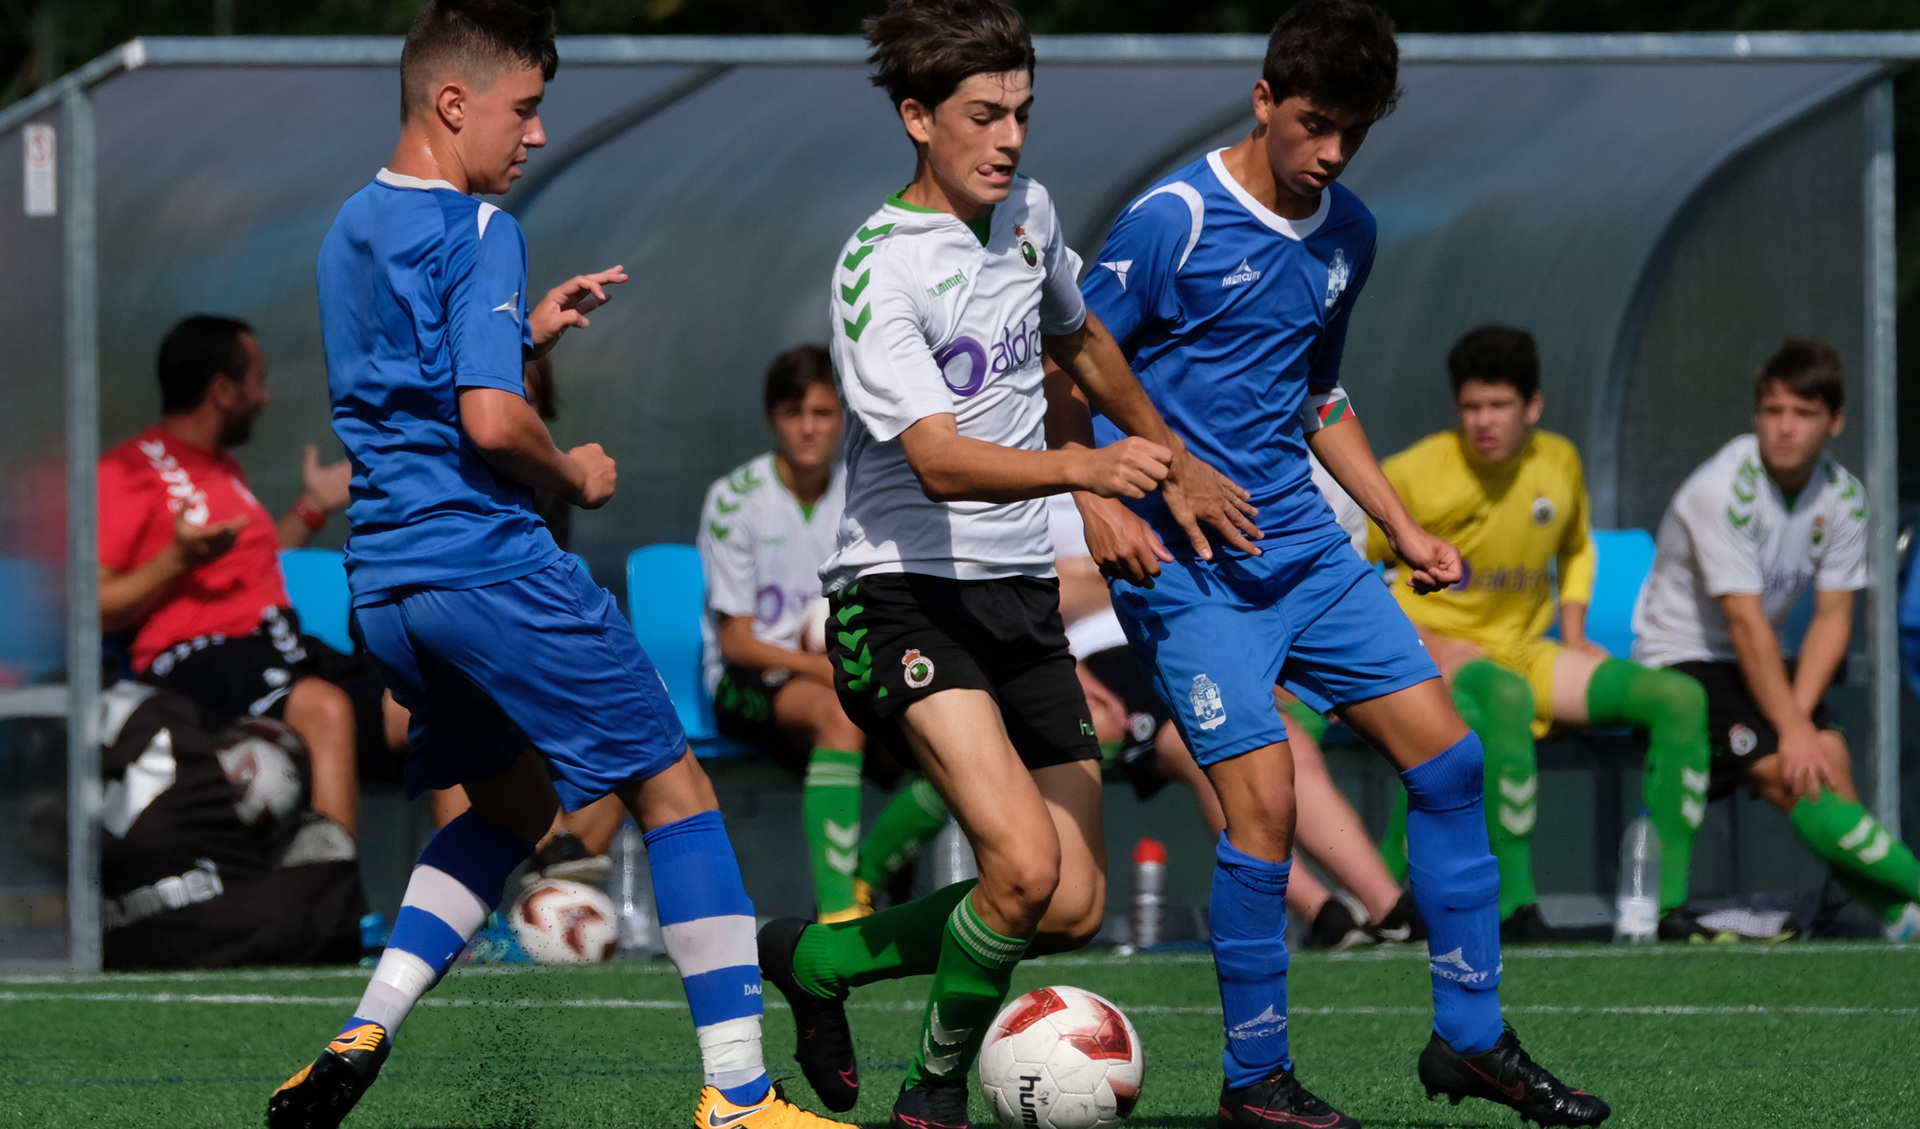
{"points": [[666, 594], [317, 589], [33, 640], [1625, 559]]}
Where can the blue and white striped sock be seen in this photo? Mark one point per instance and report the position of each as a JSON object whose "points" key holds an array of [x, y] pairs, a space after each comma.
{"points": [[455, 885], [706, 922]]}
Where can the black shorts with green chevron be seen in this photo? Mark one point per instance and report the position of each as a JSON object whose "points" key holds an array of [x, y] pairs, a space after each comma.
{"points": [[895, 638]]}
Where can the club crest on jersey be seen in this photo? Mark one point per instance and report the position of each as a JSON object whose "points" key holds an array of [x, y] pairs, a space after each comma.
{"points": [[1819, 529], [1338, 275], [1742, 740], [1242, 274], [1028, 255], [919, 668], [1209, 711], [1542, 510]]}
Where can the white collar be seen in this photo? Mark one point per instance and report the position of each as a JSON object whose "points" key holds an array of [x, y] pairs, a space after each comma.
{"points": [[400, 180], [1297, 230]]}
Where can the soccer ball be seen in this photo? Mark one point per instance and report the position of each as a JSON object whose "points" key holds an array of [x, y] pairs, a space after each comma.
{"points": [[1061, 1058], [561, 922], [264, 761]]}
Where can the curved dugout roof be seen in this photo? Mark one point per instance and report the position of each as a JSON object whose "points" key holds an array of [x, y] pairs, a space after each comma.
{"points": [[1534, 193]]}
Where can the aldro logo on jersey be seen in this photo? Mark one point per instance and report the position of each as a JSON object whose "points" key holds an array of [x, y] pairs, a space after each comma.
{"points": [[965, 364]]}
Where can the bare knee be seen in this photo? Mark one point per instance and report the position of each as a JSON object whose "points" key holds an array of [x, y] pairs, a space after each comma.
{"points": [[320, 712], [1073, 921], [1019, 889]]}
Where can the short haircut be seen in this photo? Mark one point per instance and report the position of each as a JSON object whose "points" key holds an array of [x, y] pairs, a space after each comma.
{"points": [[795, 371], [473, 39], [193, 353], [1807, 367], [1338, 54], [1496, 354], [924, 49]]}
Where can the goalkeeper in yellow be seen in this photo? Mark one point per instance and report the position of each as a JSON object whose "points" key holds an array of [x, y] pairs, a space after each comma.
{"points": [[1513, 500]]}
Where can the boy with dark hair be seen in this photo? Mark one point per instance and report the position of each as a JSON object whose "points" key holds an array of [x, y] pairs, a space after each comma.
{"points": [[945, 631], [1513, 500], [190, 567], [767, 527], [1746, 533], [526, 683], [1230, 285]]}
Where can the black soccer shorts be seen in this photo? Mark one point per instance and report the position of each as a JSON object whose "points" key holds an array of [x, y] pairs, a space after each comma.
{"points": [[895, 638], [1737, 731], [251, 675]]}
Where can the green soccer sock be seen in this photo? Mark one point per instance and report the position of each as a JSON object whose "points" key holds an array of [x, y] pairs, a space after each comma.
{"points": [[905, 826], [832, 959], [1672, 708], [830, 808], [1498, 705], [969, 985], [1393, 844], [1864, 856]]}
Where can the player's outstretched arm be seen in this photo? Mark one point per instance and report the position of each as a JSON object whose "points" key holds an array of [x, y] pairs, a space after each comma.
{"points": [[515, 441], [1343, 449], [1196, 494], [1119, 542], [567, 305], [952, 467]]}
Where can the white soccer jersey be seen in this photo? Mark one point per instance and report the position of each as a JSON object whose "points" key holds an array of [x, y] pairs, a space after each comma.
{"points": [[1729, 530], [931, 318], [761, 554]]}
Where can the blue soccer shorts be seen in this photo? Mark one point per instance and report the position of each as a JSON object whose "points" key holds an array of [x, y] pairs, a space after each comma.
{"points": [[1217, 637], [545, 660]]}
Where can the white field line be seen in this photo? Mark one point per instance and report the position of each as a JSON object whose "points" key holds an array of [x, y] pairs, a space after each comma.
{"points": [[262, 999]]}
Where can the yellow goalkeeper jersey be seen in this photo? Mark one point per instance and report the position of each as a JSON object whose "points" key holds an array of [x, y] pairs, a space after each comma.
{"points": [[1517, 526]]}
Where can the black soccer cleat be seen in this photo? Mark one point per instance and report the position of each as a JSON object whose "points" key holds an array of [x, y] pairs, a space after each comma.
{"points": [[1334, 927], [1275, 1101], [324, 1092], [1526, 927], [824, 1041], [1506, 1074], [931, 1105], [1403, 923]]}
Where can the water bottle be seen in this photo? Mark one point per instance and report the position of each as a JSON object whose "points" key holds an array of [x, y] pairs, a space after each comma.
{"points": [[633, 895], [1149, 901], [953, 859], [1637, 908]]}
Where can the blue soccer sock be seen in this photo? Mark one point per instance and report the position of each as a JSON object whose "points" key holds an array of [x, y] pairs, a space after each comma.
{"points": [[706, 922], [1456, 884], [1247, 916], [455, 885]]}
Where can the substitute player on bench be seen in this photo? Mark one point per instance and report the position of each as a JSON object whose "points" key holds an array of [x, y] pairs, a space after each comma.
{"points": [[1230, 285], [1513, 500], [1768, 515], [523, 677], [767, 527], [945, 629]]}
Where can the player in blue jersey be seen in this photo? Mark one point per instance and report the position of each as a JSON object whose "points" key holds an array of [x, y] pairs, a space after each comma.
{"points": [[525, 683], [1230, 285]]}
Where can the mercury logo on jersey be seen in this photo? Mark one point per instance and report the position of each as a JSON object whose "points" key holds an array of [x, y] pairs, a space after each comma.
{"points": [[965, 364], [1242, 274]]}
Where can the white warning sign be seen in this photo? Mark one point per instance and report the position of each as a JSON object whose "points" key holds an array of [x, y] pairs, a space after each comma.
{"points": [[41, 190]]}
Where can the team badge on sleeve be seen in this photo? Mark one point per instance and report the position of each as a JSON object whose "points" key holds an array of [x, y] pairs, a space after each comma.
{"points": [[1321, 409]]}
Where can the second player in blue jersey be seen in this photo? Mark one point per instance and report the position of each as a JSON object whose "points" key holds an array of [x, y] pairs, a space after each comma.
{"points": [[1230, 285]]}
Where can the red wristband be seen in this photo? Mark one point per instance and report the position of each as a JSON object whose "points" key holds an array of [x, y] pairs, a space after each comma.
{"points": [[311, 518]]}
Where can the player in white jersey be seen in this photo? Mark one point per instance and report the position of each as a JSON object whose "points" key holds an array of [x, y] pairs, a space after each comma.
{"points": [[1744, 536], [945, 630], [765, 530]]}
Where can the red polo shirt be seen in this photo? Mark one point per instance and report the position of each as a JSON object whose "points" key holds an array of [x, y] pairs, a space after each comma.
{"points": [[144, 483]]}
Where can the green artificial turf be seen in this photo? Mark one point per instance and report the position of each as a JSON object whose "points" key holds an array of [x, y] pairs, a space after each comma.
{"points": [[1802, 1035]]}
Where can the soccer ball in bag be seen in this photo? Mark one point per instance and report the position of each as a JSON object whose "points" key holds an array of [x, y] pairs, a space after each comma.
{"points": [[561, 922], [1061, 1058]]}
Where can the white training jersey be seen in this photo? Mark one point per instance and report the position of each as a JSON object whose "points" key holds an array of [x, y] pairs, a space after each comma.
{"points": [[761, 554], [1729, 530], [931, 316], [1101, 631], [1346, 511]]}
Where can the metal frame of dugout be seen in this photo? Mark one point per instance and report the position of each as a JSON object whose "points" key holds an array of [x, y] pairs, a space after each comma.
{"points": [[72, 96]]}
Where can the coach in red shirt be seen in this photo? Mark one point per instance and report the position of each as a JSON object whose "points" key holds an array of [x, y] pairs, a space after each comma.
{"points": [[189, 562]]}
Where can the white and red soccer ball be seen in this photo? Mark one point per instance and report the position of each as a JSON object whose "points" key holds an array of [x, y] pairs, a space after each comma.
{"points": [[1061, 1058], [561, 922]]}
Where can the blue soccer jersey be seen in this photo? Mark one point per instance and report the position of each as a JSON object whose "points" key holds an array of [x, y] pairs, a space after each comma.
{"points": [[1234, 319], [422, 294]]}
